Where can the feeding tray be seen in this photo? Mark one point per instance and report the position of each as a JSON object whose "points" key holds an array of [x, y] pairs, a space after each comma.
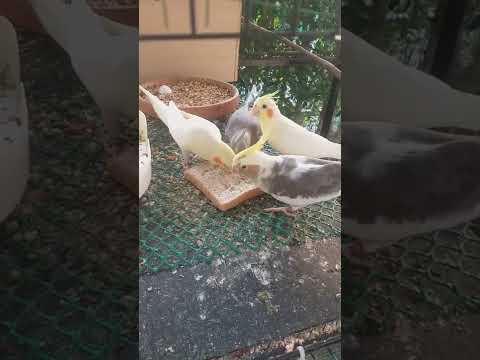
{"points": [[207, 98], [224, 189]]}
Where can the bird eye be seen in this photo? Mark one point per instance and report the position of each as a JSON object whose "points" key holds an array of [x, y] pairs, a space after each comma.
{"points": [[244, 166], [264, 106]]}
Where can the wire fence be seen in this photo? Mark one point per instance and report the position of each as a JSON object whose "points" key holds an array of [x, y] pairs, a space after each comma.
{"points": [[425, 278], [179, 227]]}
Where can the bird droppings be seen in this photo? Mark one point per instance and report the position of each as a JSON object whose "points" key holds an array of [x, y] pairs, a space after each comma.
{"points": [[198, 277], [149, 288], [195, 92], [203, 316], [201, 296], [262, 275]]}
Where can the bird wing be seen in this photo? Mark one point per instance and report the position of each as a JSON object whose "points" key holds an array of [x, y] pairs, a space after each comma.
{"points": [[288, 137], [292, 177]]}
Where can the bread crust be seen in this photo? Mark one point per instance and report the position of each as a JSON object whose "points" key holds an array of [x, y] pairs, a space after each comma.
{"points": [[221, 199]]}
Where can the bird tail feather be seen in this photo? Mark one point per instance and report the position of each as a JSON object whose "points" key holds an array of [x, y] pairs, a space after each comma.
{"points": [[52, 16], [68, 23], [252, 95], [163, 111]]}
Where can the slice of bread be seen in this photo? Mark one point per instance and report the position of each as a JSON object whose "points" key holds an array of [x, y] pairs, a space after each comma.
{"points": [[224, 189]]}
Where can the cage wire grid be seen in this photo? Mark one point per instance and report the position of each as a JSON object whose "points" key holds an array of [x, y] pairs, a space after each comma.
{"points": [[425, 278], [180, 227]]}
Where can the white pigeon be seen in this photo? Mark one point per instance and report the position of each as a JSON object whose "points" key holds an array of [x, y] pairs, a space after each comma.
{"points": [[377, 87], [103, 54], [243, 129], [400, 182], [193, 134]]}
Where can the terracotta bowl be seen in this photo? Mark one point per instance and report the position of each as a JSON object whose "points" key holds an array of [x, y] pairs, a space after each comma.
{"points": [[217, 111]]}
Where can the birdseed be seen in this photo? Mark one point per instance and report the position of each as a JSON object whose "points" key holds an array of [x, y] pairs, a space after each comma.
{"points": [[191, 93]]}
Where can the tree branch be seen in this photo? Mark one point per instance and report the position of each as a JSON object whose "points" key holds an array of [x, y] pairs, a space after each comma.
{"points": [[317, 59]]}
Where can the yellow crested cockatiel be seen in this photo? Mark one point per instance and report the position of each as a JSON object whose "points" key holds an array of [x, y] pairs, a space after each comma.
{"points": [[286, 136], [193, 134]]}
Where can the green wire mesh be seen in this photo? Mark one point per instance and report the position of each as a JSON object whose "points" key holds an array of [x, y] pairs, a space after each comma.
{"points": [[424, 278], [179, 227]]}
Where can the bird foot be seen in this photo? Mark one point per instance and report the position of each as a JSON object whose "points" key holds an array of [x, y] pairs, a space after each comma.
{"points": [[286, 210]]}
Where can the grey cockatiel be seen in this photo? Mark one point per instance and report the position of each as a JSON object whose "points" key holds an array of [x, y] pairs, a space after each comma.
{"points": [[243, 129], [297, 181], [400, 181], [103, 54]]}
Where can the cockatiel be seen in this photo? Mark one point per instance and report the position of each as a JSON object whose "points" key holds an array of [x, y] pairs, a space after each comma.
{"points": [[243, 129], [14, 127], [287, 137], [380, 88], [400, 181], [297, 181], [103, 54], [193, 134]]}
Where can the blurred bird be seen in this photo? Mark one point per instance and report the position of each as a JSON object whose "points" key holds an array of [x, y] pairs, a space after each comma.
{"points": [[243, 129], [297, 181], [103, 54], [193, 134], [380, 88], [286, 136], [400, 181], [14, 139]]}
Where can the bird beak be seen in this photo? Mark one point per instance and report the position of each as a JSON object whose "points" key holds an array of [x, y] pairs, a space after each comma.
{"points": [[254, 111]]}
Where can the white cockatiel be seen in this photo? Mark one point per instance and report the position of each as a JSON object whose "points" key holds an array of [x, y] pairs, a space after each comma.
{"points": [[243, 129], [14, 139], [286, 136], [297, 181], [103, 54], [193, 134]]}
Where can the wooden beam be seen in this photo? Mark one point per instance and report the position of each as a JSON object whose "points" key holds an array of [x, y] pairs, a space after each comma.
{"points": [[329, 110]]}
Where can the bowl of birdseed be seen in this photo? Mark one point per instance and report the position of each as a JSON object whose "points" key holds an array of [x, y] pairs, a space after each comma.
{"points": [[207, 98]]}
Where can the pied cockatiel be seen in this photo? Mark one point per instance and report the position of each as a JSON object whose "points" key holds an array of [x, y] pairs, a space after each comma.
{"points": [[243, 129], [286, 136], [380, 88], [103, 54], [193, 134], [297, 181], [400, 181]]}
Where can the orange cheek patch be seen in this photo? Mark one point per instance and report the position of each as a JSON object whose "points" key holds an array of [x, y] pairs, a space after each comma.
{"points": [[217, 160], [270, 113]]}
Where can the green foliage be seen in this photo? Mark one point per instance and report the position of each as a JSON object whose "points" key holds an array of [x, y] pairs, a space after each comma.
{"points": [[303, 88], [399, 27]]}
